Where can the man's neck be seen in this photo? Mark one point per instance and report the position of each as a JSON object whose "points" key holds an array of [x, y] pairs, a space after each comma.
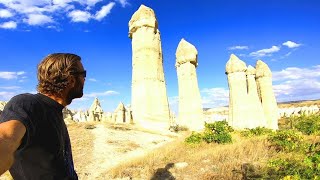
{"points": [[57, 99]]}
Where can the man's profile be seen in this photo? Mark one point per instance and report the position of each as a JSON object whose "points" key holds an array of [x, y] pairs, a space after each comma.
{"points": [[34, 140]]}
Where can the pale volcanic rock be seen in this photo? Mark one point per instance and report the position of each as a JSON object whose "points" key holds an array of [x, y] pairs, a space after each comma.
{"points": [[235, 70], [269, 103], [150, 107], [256, 117], [119, 113], [190, 104], [95, 111]]}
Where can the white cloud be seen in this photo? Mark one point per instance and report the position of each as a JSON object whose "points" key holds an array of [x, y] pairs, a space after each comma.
{"points": [[291, 44], [37, 19], [214, 97], [5, 13], [295, 83], [92, 2], [238, 47], [38, 12], [92, 79], [294, 73], [10, 87], [10, 75], [5, 96], [105, 10], [79, 16], [9, 25], [265, 52], [123, 2], [97, 94]]}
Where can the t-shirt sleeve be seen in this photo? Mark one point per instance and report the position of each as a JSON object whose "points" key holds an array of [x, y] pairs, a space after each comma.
{"points": [[21, 108]]}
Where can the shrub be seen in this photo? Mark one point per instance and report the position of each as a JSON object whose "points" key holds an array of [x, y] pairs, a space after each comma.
{"points": [[309, 168], [286, 140], [194, 138], [308, 124], [217, 132], [258, 131]]}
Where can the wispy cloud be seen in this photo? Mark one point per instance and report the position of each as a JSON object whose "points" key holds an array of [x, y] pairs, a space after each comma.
{"points": [[294, 73], [214, 97], [5, 96], [5, 13], [105, 10], [92, 79], [238, 47], [37, 19], [97, 94], [291, 44], [265, 52], [10, 87], [8, 25], [11, 75], [123, 3], [295, 83], [39, 12], [79, 16]]}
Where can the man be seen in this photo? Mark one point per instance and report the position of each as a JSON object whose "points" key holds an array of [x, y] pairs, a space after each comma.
{"points": [[34, 140]]}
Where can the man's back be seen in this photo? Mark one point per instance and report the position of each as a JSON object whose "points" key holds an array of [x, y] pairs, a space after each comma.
{"points": [[45, 151]]}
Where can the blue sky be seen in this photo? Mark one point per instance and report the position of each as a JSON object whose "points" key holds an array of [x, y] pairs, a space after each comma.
{"points": [[283, 33]]}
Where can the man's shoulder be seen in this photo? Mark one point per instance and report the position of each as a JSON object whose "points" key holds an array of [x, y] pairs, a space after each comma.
{"points": [[25, 98]]}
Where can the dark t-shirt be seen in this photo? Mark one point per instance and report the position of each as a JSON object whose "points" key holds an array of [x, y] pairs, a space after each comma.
{"points": [[45, 150]]}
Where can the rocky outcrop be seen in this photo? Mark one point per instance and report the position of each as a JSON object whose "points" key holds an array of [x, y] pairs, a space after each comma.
{"points": [[150, 108], [267, 97], [252, 102], [2, 104], [119, 114], [95, 111], [255, 116], [236, 73], [190, 104]]}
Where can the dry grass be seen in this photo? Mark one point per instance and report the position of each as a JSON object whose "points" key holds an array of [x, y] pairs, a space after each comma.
{"points": [[205, 161], [82, 145]]}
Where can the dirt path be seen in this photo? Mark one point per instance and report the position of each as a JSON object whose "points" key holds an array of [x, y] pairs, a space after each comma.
{"points": [[114, 146]]}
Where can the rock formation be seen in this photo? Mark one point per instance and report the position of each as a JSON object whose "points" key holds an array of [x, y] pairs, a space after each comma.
{"points": [[95, 111], [2, 104], [251, 102], [150, 108], [236, 72], [267, 97], [255, 112], [119, 114], [190, 105], [67, 116]]}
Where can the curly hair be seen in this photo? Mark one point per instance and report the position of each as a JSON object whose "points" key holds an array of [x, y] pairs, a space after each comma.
{"points": [[54, 70]]}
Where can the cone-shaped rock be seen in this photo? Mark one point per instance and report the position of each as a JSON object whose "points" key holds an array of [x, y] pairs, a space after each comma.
{"points": [[119, 113], [256, 117], [95, 111], [235, 70], [190, 105], [268, 100], [150, 107]]}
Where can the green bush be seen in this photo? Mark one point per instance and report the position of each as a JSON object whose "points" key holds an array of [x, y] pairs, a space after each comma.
{"points": [[194, 138], [258, 131], [307, 124], [309, 168], [217, 132], [286, 140]]}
